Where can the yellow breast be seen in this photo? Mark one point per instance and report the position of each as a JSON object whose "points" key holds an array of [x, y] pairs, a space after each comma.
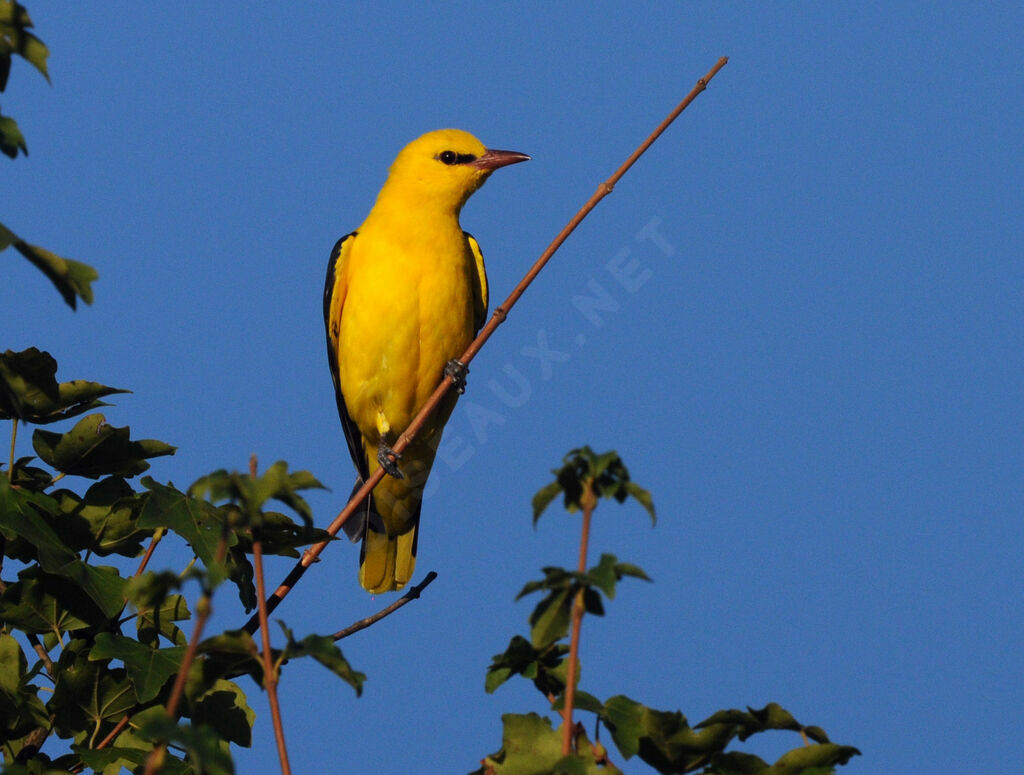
{"points": [[408, 311]]}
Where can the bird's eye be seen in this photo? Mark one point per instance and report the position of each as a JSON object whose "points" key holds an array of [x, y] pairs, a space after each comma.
{"points": [[448, 157]]}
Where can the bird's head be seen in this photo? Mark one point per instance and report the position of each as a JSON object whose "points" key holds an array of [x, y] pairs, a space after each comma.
{"points": [[445, 167]]}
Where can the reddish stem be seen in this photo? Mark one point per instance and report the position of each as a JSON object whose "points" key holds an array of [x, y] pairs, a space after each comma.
{"points": [[589, 503]]}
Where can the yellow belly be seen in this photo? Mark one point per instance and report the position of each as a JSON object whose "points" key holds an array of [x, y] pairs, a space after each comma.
{"points": [[407, 312], [405, 317]]}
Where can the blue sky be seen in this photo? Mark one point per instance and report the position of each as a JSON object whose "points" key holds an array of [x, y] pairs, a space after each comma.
{"points": [[820, 379]]}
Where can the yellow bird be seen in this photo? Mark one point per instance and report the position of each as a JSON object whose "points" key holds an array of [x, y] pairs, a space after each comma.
{"points": [[405, 295]]}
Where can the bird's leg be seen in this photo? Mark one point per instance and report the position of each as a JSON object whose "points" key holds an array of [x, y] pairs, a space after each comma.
{"points": [[457, 370], [384, 457], [384, 452]]}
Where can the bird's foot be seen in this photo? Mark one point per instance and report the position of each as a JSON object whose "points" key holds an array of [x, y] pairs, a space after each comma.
{"points": [[384, 457], [457, 370]]}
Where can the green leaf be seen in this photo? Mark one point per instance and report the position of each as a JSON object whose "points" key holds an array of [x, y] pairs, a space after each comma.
{"points": [[323, 649], [201, 524], [592, 602], [280, 534], [11, 138], [628, 569], [740, 763], [28, 477], [94, 449], [554, 578], [643, 497], [29, 536], [29, 389], [608, 572], [542, 499], [603, 575], [813, 758], [750, 722], [197, 521], [21, 710], [231, 654], [583, 471], [111, 760], [206, 751], [135, 747], [662, 739], [104, 520], [276, 483], [73, 279], [20, 518], [87, 694], [582, 701], [546, 667], [550, 619], [41, 603], [148, 668], [16, 38], [157, 608], [531, 747], [161, 620], [224, 708]]}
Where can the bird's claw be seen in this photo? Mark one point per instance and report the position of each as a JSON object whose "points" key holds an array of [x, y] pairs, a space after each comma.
{"points": [[384, 457], [457, 370]]}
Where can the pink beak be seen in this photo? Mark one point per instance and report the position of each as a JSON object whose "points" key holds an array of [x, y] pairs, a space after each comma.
{"points": [[492, 159]]}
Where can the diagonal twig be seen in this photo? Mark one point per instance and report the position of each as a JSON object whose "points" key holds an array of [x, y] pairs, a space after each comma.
{"points": [[497, 318], [362, 624]]}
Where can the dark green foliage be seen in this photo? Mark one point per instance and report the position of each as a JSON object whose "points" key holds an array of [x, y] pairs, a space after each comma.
{"points": [[323, 650], [544, 666], [662, 739], [606, 475], [529, 746], [29, 389], [94, 449], [107, 665], [550, 619]]}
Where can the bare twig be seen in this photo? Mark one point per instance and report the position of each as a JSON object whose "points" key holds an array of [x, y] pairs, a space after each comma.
{"points": [[589, 502], [269, 669], [499, 316], [362, 624]]}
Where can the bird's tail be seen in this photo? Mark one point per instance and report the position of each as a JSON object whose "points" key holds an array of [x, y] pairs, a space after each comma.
{"points": [[386, 562]]}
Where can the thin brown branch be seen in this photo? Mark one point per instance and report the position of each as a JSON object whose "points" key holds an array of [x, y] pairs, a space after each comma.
{"points": [[589, 503], [204, 609], [500, 314], [38, 647], [153, 541], [362, 624], [269, 668], [112, 735]]}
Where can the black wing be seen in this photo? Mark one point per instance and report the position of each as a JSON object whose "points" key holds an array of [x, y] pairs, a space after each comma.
{"points": [[352, 434]]}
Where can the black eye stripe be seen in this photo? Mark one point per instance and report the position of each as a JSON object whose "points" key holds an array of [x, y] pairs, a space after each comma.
{"points": [[450, 158]]}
